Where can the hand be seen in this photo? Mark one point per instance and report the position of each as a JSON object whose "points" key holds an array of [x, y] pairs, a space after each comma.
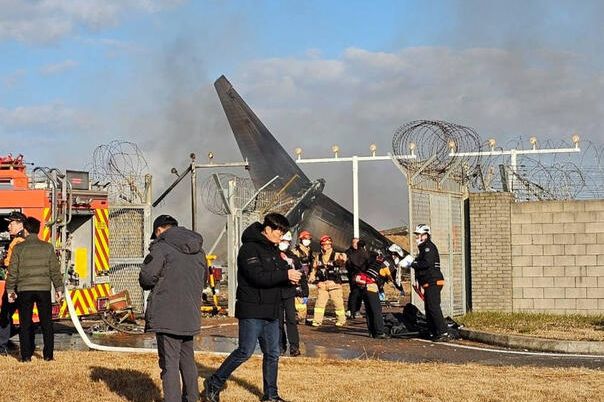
{"points": [[59, 295], [12, 297], [407, 261], [293, 276]]}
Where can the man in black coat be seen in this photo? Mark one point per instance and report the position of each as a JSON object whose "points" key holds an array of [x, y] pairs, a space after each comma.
{"points": [[174, 271], [356, 263], [261, 275]]}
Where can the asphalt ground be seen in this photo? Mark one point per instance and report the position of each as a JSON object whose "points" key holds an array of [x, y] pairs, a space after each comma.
{"points": [[219, 334]]}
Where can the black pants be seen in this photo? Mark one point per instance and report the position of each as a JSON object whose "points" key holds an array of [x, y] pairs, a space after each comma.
{"points": [[288, 323], [434, 315], [6, 324], [26, 302], [176, 360], [375, 321], [355, 298]]}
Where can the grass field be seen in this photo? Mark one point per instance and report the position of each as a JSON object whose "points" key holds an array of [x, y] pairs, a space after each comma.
{"points": [[97, 376], [567, 327]]}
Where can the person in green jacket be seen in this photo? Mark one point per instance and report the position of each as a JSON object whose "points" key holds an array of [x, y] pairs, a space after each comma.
{"points": [[33, 268]]}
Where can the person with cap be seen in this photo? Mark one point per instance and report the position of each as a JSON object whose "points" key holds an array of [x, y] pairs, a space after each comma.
{"points": [[288, 324], [174, 272], [431, 280], [33, 269], [327, 273], [261, 275], [304, 253], [15, 228], [356, 262]]}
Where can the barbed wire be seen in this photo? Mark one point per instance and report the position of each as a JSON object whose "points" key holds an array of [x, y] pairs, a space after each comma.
{"points": [[120, 167]]}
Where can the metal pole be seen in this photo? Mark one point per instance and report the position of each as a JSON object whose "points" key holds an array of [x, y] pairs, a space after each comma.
{"points": [[513, 163], [233, 242], [193, 194], [355, 194]]}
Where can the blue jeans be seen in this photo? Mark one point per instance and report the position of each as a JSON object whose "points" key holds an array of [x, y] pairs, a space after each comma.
{"points": [[250, 331]]}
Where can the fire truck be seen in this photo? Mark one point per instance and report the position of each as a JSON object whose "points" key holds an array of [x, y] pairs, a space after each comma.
{"points": [[74, 218]]}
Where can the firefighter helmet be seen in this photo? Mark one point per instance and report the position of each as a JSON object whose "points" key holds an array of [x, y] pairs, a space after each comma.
{"points": [[305, 234], [396, 249], [422, 229], [325, 239]]}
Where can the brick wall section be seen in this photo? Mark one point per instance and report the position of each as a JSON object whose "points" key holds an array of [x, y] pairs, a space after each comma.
{"points": [[558, 256], [491, 249]]}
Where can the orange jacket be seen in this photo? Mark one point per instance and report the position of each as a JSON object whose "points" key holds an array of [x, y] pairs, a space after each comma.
{"points": [[11, 246]]}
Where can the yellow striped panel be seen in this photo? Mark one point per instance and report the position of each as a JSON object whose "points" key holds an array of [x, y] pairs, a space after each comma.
{"points": [[101, 240], [46, 230]]}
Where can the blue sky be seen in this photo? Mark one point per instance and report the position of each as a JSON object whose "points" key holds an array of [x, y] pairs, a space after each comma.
{"points": [[75, 74]]}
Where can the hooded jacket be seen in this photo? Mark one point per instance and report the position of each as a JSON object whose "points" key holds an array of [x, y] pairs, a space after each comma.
{"points": [[261, 274], [174, 271]]}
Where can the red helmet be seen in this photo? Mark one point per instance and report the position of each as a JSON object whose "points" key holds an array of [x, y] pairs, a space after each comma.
{"points": [[305, 234], [325, 239]]}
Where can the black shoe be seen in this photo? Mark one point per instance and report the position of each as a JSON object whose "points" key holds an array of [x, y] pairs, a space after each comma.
{"points": [[210, 393], [49, 359], [381, 336], [293, 352], [283, 352], [25, 359], [3, 352], [442, 338], [277, 399]]}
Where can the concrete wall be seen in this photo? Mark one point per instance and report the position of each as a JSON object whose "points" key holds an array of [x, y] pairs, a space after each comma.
{"points": [[555, 260]]}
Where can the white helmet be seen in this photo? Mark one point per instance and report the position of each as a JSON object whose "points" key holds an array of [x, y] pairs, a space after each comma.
{"points": [[396, 249], [287, 236], [422, 229]]}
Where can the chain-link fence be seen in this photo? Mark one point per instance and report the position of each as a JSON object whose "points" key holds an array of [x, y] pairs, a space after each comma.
{"points": [[129, 232]]}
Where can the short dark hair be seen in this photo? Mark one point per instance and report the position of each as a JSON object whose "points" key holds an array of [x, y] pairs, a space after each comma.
{"points": [[276, 222], [361, 243], [32, 225]]}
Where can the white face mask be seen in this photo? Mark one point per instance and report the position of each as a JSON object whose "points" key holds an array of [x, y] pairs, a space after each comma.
{"points": [[284, 245], [306, 242]]}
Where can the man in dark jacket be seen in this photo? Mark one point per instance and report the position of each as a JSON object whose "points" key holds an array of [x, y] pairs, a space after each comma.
{"points": [[430, 278], [174, 271], [356, 263], [261, 274], [33, 268]]}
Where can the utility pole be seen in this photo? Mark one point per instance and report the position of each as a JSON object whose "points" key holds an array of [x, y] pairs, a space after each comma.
{"points": [[355, 171]]}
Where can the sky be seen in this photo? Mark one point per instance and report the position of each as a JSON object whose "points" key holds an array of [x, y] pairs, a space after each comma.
{"points": [[76, 74]]}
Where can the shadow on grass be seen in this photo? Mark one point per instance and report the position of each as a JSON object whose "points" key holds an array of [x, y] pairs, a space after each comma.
{"points": [[206, 372], [132, 385]]}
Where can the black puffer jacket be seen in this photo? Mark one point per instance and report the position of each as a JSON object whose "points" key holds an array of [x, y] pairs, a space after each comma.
{"points": [[427, 264], [174, 271], [261, 275]]}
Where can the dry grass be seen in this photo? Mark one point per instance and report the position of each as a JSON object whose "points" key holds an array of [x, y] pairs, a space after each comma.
{"points": [[97, 376], [568, 327]]}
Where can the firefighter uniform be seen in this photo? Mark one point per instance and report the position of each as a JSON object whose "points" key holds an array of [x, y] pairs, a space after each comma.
{"points": [[306, 258], [430, 278], [328, 276]]}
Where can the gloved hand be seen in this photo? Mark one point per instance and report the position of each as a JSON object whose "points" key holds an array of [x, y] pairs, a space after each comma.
{"points": [[305, 300], [407, 261]]}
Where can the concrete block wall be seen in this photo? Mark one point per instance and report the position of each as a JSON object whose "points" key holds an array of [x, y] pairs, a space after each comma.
{"points": [[558, 256], [491, 251]]}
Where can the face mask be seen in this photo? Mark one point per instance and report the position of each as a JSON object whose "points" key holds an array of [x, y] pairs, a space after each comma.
{"points": [[283, 246], [306, 242]]}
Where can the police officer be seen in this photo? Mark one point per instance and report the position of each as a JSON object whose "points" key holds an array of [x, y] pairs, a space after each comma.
{"points": [[15, 228], [327, 274], [430, 278]]}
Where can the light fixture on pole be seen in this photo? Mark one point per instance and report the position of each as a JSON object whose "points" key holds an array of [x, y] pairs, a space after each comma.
{"points": [[533, 141]]}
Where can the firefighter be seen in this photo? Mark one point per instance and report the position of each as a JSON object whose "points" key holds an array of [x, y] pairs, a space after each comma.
{"points": [[288, 323], [306, 258], [431, 280], [327, 273], [15, 228], [370, 282]]}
